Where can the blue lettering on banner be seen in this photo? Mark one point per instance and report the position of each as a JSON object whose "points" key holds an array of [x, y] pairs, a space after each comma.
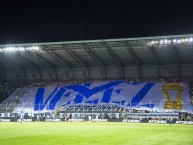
{"points": [[56, 98], [38, 103], [86, 93], [78, 99], [141, 94], [107, 96]]}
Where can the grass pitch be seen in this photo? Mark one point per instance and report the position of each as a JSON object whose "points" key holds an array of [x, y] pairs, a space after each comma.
{"points": [[87, 133]]}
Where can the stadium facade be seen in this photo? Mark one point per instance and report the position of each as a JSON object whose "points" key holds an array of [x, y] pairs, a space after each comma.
{"points": [[148, 73], [150, 58]]}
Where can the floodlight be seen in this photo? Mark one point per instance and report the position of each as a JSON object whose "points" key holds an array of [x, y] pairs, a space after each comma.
{"points": [[161, 41], [165, 40], [152, 42], [36, 48], [13, 49], [179, 41], [7, 49], [174, 40], [10, 49], [21, 49], [190, 39]]}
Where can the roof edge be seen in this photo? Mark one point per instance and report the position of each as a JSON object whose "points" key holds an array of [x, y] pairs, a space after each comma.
{"points": [[98, 40]]}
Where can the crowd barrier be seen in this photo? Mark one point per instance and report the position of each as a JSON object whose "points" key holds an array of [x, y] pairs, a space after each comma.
{"points": [[99, 120], [75, 120], [25, 120], [184, 122], [131, 121], [51, 120], [158, 121], [5, 120]]}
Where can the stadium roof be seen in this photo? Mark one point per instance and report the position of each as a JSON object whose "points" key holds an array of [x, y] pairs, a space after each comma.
{"points": [[160, 57]]}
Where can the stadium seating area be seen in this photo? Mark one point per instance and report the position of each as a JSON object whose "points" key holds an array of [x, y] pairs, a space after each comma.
{"points": [[191, 91], [7, 88], [102, 107]]}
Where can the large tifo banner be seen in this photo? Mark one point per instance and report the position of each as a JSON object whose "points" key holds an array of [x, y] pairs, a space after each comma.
{"points": [[130, 95]]}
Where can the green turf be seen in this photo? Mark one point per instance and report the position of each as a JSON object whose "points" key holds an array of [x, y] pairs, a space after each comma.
{"points": [[87, 133]]}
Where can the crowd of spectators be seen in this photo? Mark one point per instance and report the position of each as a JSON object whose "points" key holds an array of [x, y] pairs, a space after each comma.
{"points": [[7, 88], [191, 91]]}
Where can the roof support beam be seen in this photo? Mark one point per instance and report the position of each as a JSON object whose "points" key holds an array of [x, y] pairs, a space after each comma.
{"points": [[25, 75], [53, 53], [28, 60], [50, 63], [39, 62], [94, 56], [33, 64], [62, 59], [177, 62], [58, 58], [3, 72], [81, 62], [15, 62], [136, 60], [11, 61], [17, 75], [116, 60], [21, 58], [157, 61]]}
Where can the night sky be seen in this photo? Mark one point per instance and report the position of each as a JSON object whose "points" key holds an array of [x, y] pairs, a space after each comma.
{"points": [[29, 22]]}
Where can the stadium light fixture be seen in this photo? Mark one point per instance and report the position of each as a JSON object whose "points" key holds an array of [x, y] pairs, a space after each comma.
{"points": [[37, 48], [21, 49], [153, 42], [17, 49], [10, 49], [181, 40], [174, 40]]}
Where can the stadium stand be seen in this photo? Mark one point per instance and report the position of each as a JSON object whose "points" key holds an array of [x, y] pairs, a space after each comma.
{"points": [[115, 78]]}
